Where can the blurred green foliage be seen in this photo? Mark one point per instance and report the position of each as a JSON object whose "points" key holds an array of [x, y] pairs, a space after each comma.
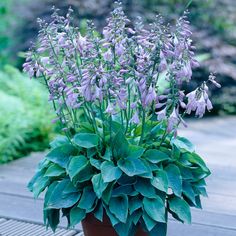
{"points": [[25, 117], [203, 13], [4, 26]]}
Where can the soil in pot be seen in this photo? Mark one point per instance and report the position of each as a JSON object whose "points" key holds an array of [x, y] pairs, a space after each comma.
{"points": [[93, 227]]}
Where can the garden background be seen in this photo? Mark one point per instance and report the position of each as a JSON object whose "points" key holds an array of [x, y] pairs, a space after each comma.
{"points": [[25, 115]]}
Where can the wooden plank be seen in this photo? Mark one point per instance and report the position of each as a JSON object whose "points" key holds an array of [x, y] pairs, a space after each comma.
{"points": [[20, 228], [176, 229]]}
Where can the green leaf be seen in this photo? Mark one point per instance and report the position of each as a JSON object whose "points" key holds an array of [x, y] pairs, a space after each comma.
{"points": [[76, 215], [188, 191], [126, 180], [155, 208], [149, 222], [157, 130], [111, 216], [174, 179], [119, 207], [52, 218], [40, 184], [180, 208], [77, 163], [108, 154], [120, 145], [136, 216], [134, 204], [42, 165], [87, 199], [183, 144], [59, 141], [98, 185], [86, 140], [48, 214], [98, 212], [91, 152], [57, 200], [160, 229], [155, 156], [95, 162], [69, 188], [125, 229], [106, 195], [84, 175], [135, 151], [160, 181], [197, 160], [123, 190], [61, 155], [144, 187], [110, 172], [132, 166], [54, 170]]}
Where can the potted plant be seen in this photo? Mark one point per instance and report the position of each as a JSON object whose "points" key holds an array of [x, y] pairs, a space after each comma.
{"points": [[121, 167]]}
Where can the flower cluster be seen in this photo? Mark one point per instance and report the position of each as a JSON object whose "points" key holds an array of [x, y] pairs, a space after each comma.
{"points": [[127, 75]]}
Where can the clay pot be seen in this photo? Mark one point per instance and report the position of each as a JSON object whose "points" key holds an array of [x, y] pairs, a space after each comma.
{"points": [[93, 227]]}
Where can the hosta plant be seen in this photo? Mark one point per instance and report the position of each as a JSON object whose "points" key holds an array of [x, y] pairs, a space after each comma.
{"points": [[118, 98]]}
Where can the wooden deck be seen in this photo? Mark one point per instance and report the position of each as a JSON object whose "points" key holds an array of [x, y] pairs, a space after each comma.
{"points": [[215, 140]]}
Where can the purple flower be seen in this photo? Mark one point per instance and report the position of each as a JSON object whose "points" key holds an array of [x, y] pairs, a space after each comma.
{"points": [[135, 119], [173, 121], [118, 74], [161, 115], [108, 56]]}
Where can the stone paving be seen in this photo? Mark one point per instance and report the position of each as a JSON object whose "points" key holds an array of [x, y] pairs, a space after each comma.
{"points": [[215, 139]]}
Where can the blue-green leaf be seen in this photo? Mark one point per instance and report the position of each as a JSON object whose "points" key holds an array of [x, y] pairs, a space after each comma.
{"points": [[183, 144], [40, 184], [155, 156], [61, 155], [149, 222], [160, 229], [76, 215], [57, 200], [155, 208], [135, 151], [123, 190], [107, 155], [174, 179], [119, 207], [110, 172], [77, 164], [95, 163], [98, 212], [196, 159], [160, 181], [120, 145], [87, 199], [106, 195], [54, 170], [132, 166], [59, 141], [111, 216], [181, 209], [188, 192], [86, 140], [98, 185], [144, 187], [134, 204]]}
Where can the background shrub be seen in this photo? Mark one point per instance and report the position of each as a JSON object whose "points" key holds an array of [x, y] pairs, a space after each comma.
{"points": [[25, 117]]}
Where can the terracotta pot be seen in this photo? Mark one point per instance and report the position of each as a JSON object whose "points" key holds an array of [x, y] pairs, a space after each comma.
{"points": [[93, 227]]}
